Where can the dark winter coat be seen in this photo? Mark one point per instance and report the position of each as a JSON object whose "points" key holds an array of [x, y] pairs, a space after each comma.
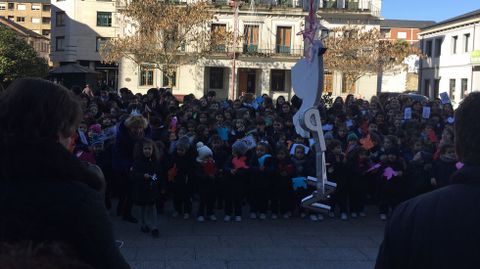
{"points": [[146, 191], [260, 178], [437, 230], [123, 149], [279, 181], [47, 195], [418, 176], [442, 170]]}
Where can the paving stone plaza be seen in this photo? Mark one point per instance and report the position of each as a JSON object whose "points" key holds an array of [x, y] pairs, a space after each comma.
{"points": [[294, 243]]}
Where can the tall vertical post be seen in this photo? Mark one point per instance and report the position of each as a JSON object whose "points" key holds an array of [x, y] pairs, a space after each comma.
{"points": [[234, 56]]}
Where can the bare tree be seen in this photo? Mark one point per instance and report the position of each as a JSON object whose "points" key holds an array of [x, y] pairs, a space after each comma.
{"points": [[166, 35], [356, 52]]}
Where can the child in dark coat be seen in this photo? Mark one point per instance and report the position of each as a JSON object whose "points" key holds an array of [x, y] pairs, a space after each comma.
{"points": [[444, 166], [237, 171], [261, 167], [304, 167], [281, 184], [356, 167], [205, 174], [391, 182], [148, 183], [180, 178], [336, 173]]}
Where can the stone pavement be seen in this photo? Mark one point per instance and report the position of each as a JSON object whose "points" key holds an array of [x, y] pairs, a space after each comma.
{"points": [[276, 244]]}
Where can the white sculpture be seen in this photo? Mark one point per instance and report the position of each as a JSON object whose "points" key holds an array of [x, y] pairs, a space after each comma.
{"points": [[307, 82]]}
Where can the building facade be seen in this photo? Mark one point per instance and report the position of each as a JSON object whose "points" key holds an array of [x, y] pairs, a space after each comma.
{"points": [[405, 79], [40, 43], [452, 62], [31, 14], [79, 28], [271, 47]]}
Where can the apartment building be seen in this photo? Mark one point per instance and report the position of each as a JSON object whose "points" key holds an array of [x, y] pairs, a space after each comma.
{"points": [[31, 14], [40, 43], [79, 28], [407, 31], [452, 62], [271, 47]]}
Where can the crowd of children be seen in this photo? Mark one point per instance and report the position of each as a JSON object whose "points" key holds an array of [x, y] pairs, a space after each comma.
{"points": [[225, 154]]}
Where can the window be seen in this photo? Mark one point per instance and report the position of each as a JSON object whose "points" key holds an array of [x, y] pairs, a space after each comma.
{"points": [[436, 87], [11, 6], [428, 48], [46, 8], [426, 87], [251, 39], [36, 7], [46, 20], [216, 78], [146, 75], [46, 32], [60, 43], [464, 87], [454, 44], [12, 18], [101, 42], [36, 20], [3, 7], [278, 80], [284, 35], [20, 19], [166, 80], [466, 41], [216, 30], [104, 19], [328, 82], [60, 18], [438, 47], [21, 7], [452, 89], [402, 35], [347, 85]]}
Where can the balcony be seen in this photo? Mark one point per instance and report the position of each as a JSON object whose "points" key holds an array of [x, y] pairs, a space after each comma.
{"points": [[349, 6], [250, 48], [282, 49], [261, 3], [278, 52]]}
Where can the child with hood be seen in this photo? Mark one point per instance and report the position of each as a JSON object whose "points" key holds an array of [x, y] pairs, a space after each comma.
{"points": [[205, 175]]}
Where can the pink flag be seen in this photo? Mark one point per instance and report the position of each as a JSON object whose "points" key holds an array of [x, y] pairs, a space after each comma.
{"points": [[389, 173]]}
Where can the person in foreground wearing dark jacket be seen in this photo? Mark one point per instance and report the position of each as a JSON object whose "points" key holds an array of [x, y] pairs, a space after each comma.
{"points": [[440, 229], [46, 194]]}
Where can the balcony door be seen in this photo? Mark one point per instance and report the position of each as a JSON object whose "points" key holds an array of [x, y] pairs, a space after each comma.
{"points": [[251, 39], [284, 39], [218, 30]]}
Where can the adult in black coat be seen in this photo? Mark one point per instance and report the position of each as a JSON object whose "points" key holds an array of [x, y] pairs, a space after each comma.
{"points": [[46, 194], [440, 229], [130, 131]]}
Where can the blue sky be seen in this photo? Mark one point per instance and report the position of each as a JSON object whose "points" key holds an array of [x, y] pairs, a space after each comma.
{"points": [[435, 10]]}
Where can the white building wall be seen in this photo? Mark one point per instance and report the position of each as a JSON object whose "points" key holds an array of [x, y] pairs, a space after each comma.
{"points": [[81, 30], [451, 65], [394, 82]]}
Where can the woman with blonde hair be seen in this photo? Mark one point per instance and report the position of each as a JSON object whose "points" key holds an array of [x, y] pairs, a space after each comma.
{"points": [[130, 131]]}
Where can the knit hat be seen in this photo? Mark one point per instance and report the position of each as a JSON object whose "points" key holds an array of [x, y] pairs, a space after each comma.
{"points": [[203, 152], [352, 137], [239, 147]]}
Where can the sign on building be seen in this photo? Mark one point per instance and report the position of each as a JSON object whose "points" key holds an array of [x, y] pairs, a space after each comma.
{"points": [[475, 57]]}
